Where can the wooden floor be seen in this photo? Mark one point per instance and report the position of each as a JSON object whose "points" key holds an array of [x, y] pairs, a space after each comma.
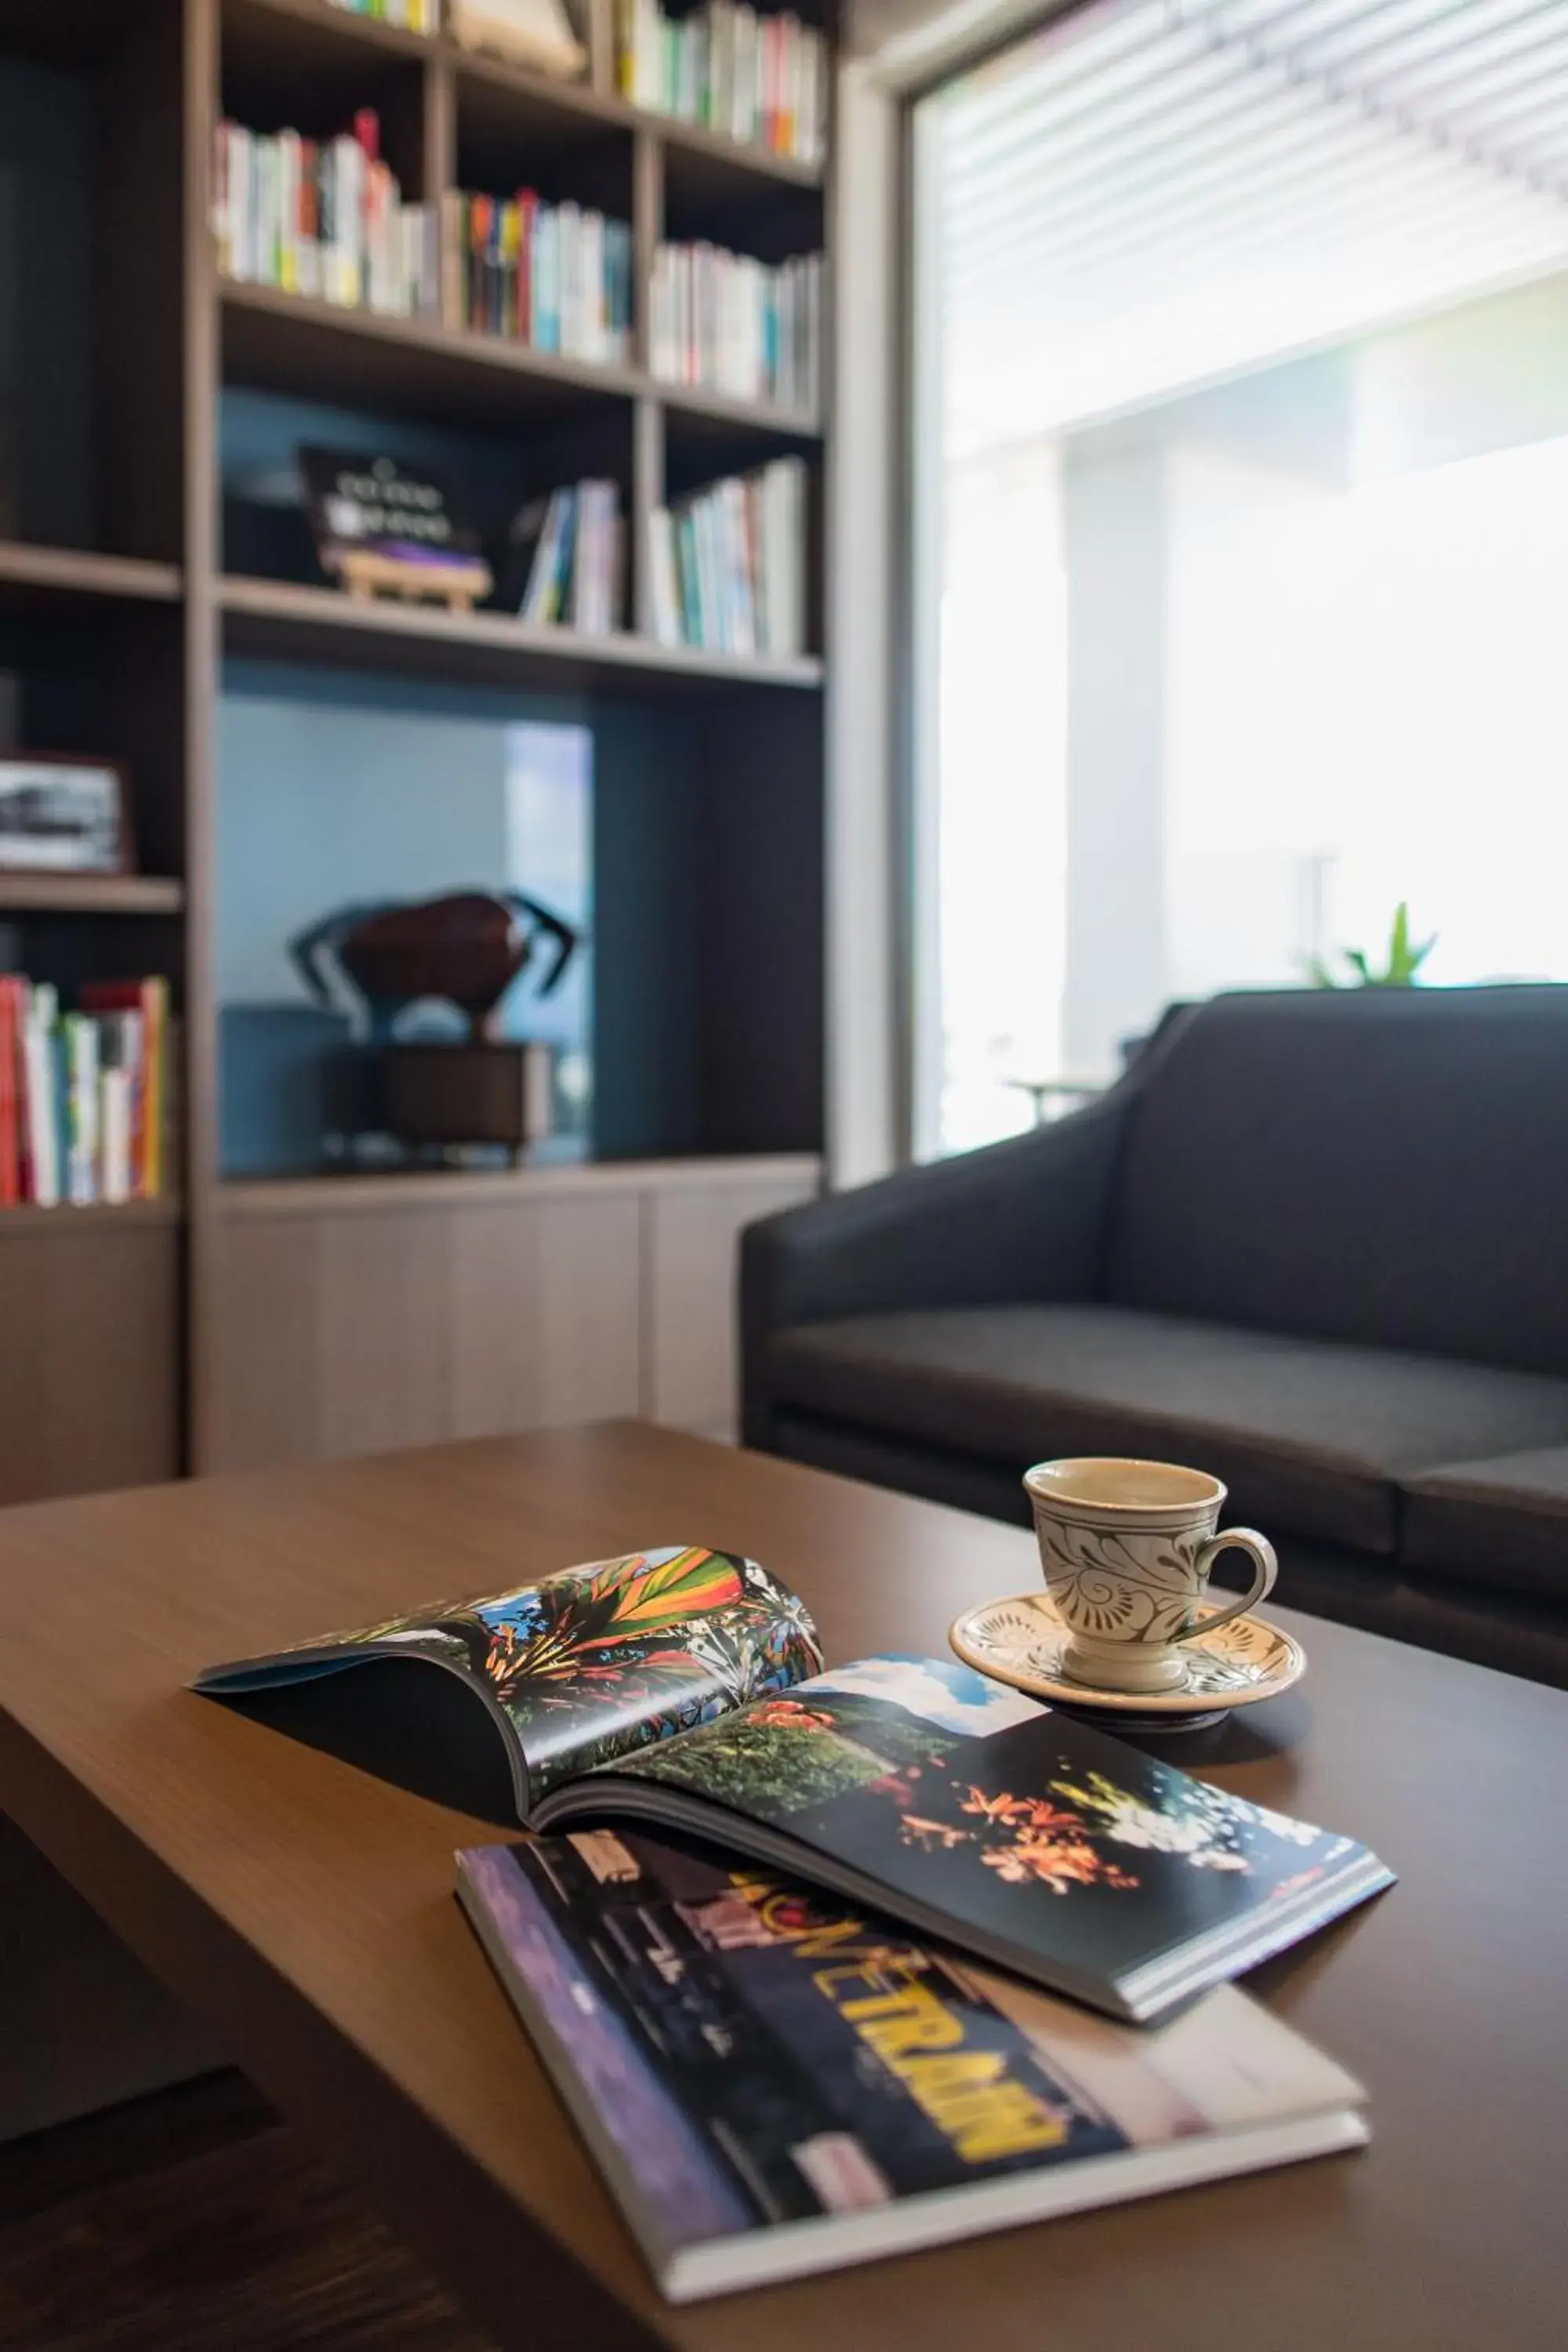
{"points": [[196, 2221]]}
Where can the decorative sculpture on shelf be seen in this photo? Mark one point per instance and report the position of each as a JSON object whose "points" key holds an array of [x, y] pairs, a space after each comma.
{"points": [[464, 949]]}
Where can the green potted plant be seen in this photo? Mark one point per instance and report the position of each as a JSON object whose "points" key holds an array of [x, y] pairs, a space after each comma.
{"points": [[1403, 969]]}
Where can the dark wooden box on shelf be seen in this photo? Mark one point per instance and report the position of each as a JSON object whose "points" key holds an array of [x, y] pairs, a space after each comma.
{"points": [[466, 1092], [256, 1322]]}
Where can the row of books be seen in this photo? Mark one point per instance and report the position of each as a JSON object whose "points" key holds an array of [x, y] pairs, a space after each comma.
{"points": [[325, 218], [729, 565], [414, 16], [556, 277], [761, 80], [567, 554], [731, 324], [83, 1094]]}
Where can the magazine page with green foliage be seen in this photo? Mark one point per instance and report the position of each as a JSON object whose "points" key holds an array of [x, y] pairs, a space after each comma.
{"points": [[586, 1667], [973, 1813]]}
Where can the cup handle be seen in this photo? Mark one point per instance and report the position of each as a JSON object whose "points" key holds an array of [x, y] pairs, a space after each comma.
{"points": [[1266, 1567]]}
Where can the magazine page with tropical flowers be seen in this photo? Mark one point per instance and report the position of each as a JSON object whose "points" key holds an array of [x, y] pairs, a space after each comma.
{"points": [[599, 1660], [591, 1663], [964, 1794]]}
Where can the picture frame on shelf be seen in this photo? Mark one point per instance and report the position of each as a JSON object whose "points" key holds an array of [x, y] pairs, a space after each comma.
{"points": [[64, 813]]}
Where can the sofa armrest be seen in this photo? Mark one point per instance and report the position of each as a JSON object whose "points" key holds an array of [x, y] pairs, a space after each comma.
{"points": [[1022, 1220]]}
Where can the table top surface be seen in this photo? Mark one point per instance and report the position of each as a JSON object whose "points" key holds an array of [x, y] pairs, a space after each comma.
{"points": [[305, 1909]]}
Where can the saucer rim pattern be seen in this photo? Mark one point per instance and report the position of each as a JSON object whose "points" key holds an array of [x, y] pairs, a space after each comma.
{"points": [[1175, 1703]]}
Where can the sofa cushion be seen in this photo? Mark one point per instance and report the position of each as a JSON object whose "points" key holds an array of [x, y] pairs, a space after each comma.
{"points": [[1382, 1166], [1501, 1522], [1308, 1436]]}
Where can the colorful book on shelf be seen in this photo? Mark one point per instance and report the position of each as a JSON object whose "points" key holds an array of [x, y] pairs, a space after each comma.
{"points": [[84, 1093], [728, 323], [679, 1689], [324, 219], [563, 558], [12, 1013], [729, 565], [412, 15], [137, 1012], [760, 79], [773, 2082], [556, 277]]}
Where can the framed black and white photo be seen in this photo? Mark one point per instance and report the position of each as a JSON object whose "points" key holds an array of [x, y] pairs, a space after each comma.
{"points": [[63, 814]]}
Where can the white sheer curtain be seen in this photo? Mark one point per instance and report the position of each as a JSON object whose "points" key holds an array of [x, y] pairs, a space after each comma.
{"points": [[1242, 443]]}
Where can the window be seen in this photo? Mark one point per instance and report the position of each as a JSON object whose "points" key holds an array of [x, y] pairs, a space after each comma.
{"points": [[1241, 519]]}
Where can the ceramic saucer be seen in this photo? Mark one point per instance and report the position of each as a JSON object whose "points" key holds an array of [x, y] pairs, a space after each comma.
{"points": [[1020, 1640]]}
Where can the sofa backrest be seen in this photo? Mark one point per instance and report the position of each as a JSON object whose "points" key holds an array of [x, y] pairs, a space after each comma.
{"points": [[1383, 1165]]}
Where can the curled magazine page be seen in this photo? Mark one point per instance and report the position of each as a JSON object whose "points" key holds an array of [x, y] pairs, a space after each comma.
{"points": [[586, 1666], [591, 1664]]}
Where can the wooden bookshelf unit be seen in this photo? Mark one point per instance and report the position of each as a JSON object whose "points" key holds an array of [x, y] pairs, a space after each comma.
{"points": [[243, 1323]]}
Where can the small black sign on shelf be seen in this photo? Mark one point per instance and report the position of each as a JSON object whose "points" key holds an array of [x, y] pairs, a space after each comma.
{"points": [[383, 528]]}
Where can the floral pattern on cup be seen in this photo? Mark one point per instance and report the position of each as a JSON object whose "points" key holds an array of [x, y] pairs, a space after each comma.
{"points": [[1119, 1589]]}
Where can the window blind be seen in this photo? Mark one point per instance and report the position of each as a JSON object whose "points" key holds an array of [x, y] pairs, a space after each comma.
{"points": [[1152, 195]]}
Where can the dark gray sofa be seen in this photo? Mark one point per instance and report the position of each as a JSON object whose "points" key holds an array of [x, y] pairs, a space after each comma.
{"points": [[1315, 1242]]}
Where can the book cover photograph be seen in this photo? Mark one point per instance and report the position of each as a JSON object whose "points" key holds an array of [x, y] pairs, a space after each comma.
{"points": [[772, 2081]]}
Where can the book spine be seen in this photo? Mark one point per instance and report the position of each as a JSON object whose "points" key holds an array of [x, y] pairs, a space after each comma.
{"points": [[79, 1071], [690, 579], [115, 1110], [565, 557], [42, 1105], [569, 339], [21, 1004], [664, 590], [289, 205], [10, 1121], [155, 1017], [222, 212]]}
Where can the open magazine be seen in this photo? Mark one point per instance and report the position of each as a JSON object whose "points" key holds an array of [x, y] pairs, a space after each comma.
{"points": [[683, 1689]]}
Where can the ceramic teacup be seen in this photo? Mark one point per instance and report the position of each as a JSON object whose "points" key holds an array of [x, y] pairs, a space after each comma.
{"points": [[1127, 1547]]}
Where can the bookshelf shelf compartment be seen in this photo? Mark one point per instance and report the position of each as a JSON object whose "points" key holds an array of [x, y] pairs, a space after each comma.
{"points": [[90, 894], [278, 620]]}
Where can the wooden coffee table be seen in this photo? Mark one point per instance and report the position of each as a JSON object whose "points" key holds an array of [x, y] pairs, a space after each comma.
{"points": [[304, 1912]]}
